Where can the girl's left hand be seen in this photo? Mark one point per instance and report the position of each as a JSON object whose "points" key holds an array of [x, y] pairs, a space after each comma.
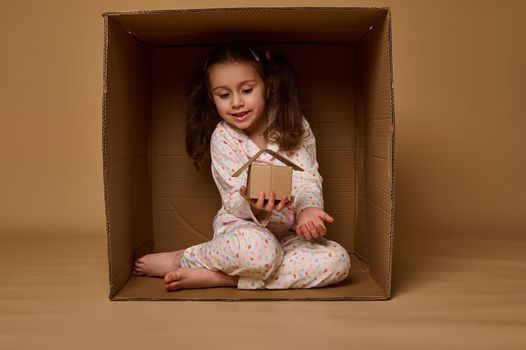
{"points": [[310, 223]]}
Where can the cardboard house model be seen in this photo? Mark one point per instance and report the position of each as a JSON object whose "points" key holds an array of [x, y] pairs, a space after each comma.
{"points": [[155, 199], [266, 178]]}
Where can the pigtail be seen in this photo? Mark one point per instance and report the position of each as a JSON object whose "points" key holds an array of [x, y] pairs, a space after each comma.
{"points": [[283, 101], [201, 118], [285, 107]]}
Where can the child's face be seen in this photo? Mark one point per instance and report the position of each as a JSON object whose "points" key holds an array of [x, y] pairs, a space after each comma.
{"points": [[239, 95]]}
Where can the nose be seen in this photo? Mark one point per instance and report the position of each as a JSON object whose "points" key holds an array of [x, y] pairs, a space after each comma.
{"points": [[237, 101]]}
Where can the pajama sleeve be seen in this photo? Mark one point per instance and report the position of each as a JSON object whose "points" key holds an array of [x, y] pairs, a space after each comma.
{"points": [[309, 192], [227, 157]]}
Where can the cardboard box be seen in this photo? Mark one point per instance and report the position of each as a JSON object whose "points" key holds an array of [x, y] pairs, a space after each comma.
{"points": [[269, 178], [156, 200]]}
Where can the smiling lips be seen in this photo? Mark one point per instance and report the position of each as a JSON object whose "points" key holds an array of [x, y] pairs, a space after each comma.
{"points": [[241, 115]]}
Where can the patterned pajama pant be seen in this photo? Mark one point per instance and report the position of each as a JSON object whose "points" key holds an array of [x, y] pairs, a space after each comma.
{"points": [[264, 260]]}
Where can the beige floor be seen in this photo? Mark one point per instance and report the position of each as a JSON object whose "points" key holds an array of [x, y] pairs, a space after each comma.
{"points": [[454, 291]]}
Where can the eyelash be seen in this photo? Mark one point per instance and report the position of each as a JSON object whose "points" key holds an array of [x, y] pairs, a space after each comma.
{"points": [[245, 91]]}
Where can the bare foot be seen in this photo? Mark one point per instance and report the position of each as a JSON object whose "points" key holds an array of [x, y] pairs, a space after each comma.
{"points": [[158, 264], [184, 278]]}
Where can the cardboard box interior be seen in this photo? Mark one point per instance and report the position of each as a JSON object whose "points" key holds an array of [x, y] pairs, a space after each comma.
{"points": [[157, 201]]}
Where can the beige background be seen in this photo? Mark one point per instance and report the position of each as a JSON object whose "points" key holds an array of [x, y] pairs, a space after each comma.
{"points": [[459, 258]]}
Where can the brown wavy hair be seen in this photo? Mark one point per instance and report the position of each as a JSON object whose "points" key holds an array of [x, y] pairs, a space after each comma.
{"points": [[283, 103]]}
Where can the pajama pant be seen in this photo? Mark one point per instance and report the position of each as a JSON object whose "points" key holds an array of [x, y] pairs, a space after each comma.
{"points": [[264, 260]]}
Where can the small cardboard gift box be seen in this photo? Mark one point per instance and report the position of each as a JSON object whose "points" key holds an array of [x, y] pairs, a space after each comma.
{"points": [[156, 201], [269, 178]]}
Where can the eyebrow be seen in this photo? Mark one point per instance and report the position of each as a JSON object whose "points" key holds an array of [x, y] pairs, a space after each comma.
{"points": [[241, 83]]}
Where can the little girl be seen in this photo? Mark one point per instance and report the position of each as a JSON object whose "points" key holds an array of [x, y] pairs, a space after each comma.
{"points": [[240, 101]]}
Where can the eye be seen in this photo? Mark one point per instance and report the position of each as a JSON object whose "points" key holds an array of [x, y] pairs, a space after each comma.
{"points": [[247, 90], [224, 95]]}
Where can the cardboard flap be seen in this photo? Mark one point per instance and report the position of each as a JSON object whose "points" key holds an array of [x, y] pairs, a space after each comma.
{"points": [[272, 153]]}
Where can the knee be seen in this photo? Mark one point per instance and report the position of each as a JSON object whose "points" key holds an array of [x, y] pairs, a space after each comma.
{"points": [[338, 262], [260, 250]]}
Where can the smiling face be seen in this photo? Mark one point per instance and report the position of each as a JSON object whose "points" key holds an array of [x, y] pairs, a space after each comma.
{"points": [[239, 95]]}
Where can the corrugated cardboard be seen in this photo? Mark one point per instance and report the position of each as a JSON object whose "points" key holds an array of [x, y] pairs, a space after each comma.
{"points": [[152, 191], [269, 178]]}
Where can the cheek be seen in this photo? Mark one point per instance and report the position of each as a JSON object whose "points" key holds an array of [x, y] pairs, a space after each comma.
{"points": [[258, 100], [222, 106]]}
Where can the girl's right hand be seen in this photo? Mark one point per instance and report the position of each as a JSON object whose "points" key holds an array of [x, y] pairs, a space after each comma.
{"points": [[258, 205]]}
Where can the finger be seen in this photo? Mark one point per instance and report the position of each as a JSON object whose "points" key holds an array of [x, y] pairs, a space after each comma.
{"points": [[309, 227], [327, 217], [281, 204], [270, 205], [320, 228], [312, 229], [285, 202], [261, 200], [290, 200], [306, 233], [299, 231], [243, 191]]}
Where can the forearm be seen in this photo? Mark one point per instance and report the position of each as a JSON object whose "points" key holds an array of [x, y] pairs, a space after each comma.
{"points": [[310, 196]]}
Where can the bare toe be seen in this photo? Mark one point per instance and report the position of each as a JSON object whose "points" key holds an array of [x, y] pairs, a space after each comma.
{"points": [[183, 278], [137, 270], [173, 279], [172, 276], [158, 264], [173, 285]]}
